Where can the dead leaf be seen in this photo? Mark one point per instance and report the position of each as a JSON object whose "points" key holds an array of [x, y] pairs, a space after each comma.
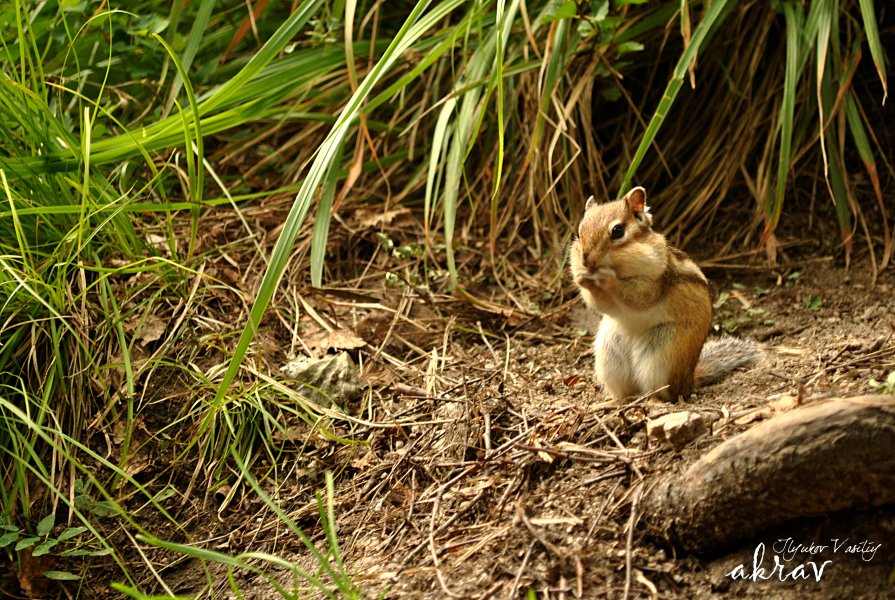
{"points": [[676, 429], [149, 330], [319, 340], [160, 243], [369, 219], [785, 403], [364, 461], [326, 381], [342, 339], [222, 492], [137, 463], [572, 380], [31, 577]]}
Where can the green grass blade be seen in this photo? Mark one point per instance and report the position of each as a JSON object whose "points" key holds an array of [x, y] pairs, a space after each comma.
{"points": [[235, 103], [350, 8], [654, 20], [824, 24], [839, 192], [837, 176], [714, 16], [193, 40], [83, 224], [787, 108], [871, 30], [328, 518], [436, 53], [269, 51], [338, 578], [20, 238], [554, 72], [499, 99], [862, 143], [440, 139], [453, 172], [321, 224], [194, 163], [859, 134], [463, 133]]}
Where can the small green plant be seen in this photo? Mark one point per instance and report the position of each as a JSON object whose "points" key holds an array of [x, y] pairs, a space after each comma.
{"points": [[409, 255], [731, 319], [813, 302], [885, 387], [41, 543]]}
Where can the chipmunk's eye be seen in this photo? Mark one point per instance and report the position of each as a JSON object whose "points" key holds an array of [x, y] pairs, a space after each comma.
{"points": [[617, 231]]}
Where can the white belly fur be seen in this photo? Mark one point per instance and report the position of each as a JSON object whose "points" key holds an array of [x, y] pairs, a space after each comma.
{"points": [[626, 348]]}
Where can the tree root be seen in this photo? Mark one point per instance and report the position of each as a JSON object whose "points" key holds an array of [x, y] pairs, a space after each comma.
{"points": [[831, 456]]}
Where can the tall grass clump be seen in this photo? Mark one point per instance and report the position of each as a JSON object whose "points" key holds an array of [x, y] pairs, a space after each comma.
{"points": [[59, 322], [91, 157], [813, 108], [54, 227]]}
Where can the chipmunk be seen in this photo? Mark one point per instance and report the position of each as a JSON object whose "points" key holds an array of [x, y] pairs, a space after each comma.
{"points": [[656, 305]]}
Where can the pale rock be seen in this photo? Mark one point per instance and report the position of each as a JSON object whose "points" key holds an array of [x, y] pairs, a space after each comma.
{"points": [[676, 429], [331, 380]]}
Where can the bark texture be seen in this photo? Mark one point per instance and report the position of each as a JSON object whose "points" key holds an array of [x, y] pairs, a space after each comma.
{"points": [[826, 457]]}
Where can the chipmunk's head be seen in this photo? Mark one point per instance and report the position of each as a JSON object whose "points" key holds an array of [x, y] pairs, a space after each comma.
{"points": [[612, 233]]}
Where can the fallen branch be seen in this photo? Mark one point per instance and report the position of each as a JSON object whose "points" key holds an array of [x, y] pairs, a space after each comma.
{"points": [[835, 455]]}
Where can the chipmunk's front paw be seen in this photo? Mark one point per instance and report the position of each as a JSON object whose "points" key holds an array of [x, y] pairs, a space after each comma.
{"points": [[597, 277], [603, 276]]}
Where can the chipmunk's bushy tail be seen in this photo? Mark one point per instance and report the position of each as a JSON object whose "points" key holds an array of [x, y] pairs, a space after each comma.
{"points": [[721, 356]]}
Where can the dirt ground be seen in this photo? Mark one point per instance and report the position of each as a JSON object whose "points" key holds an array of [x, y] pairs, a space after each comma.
{"points": [[498, 468], [486, 463]]}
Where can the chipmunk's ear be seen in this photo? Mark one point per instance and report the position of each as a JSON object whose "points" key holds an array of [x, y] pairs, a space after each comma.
{"points": [[636, 201], [590, 202]]}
